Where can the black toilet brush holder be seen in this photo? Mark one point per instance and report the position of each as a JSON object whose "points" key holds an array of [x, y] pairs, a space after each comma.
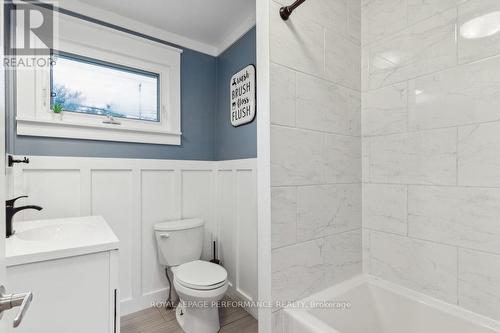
{"points": [[215, 260]]}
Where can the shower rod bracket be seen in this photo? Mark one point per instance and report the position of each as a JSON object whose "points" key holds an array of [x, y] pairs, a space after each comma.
{"points": [[286, 11]]}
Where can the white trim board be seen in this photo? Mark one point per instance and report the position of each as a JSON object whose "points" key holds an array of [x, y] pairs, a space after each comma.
{"points": [[133, 194], [164, 35], [101, 132], [264, 164], [3, 179]]}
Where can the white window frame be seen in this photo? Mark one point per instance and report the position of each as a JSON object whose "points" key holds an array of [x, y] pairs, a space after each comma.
{"points": [[82, 38]]}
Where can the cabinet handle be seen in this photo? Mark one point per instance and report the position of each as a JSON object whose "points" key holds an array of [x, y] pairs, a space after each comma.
{"points": [[25, 303], [9, 301]]}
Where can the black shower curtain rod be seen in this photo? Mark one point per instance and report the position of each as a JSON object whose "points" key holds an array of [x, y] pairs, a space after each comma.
{"points": [[286, 11]]}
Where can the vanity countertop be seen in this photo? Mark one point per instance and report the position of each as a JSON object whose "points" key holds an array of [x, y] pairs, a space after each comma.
{"points": [[51, 239]]}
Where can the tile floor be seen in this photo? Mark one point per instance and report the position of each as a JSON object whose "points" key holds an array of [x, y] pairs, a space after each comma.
{"points": [[161, 320]]}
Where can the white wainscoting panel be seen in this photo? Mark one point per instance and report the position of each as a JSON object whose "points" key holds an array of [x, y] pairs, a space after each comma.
{"points": [[158, 204], [197, 201], [134, 194], [112, 196], [237, 215], [246, 207], [61, 196]]}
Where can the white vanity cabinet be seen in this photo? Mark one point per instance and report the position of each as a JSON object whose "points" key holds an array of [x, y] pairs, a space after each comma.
{"points": [[73, 276], [70, 295]]}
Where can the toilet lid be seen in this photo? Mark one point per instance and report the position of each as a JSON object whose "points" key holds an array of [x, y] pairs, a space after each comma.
{"points": [[200, 274]]}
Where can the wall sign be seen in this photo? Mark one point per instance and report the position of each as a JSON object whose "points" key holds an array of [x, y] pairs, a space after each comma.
{"points": [[242, 87]]}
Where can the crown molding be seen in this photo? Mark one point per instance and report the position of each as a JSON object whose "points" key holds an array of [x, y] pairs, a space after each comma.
{"points": [[236, 33]]}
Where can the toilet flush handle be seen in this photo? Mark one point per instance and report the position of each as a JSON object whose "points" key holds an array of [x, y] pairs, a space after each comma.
{"points": [[164, 235]]}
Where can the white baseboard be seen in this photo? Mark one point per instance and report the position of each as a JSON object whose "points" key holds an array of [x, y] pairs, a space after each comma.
{"points": [[239, 296], [132, 305]]}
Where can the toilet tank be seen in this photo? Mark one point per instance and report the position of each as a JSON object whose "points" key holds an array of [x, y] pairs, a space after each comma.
{"points": [[179, 241]]}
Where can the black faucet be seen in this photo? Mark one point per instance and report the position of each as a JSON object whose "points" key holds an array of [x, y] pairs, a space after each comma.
{"points": [[10, 211]]}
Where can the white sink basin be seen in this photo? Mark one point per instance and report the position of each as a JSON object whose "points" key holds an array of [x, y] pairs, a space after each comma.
{"points": [[58, 238], [57, 232]]}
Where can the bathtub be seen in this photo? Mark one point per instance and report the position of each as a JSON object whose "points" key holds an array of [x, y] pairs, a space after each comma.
{"points": [[366, 304]]}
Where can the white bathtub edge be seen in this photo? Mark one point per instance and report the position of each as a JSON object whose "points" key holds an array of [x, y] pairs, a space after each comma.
{"points": [[438, 304], [310, 321]]}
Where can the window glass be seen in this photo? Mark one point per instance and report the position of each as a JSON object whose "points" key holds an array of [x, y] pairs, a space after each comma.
{"points": [[93, 87]]}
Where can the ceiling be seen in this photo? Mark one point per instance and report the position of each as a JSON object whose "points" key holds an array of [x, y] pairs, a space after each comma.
{"points": [[210, 24]]}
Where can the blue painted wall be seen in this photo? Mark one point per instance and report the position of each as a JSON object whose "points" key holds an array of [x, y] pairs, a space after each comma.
{"points": [[234, 142], [201, 76]]}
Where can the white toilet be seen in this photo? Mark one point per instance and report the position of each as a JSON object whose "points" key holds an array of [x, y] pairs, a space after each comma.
{"points": [[199, 284]]}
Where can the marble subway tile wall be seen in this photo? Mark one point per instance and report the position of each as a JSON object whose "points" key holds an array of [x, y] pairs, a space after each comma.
{"points": [[315, 148], [431, 148]]}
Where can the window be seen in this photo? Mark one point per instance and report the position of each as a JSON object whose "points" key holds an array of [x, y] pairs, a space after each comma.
{"points": [[101, 73], [93, 87]]}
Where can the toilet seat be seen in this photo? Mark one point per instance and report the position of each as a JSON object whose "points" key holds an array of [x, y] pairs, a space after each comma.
{"points": [[200, 275]]}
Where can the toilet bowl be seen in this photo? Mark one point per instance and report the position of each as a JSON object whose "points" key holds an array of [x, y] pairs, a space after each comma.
{"points": [[199, 284]]}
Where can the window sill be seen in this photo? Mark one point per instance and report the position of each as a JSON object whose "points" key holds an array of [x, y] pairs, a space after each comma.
{"points": [[101, 132]]}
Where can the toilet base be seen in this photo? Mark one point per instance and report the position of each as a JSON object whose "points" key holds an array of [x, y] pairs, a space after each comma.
{"points": [[180, 310], [197, 319]]}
